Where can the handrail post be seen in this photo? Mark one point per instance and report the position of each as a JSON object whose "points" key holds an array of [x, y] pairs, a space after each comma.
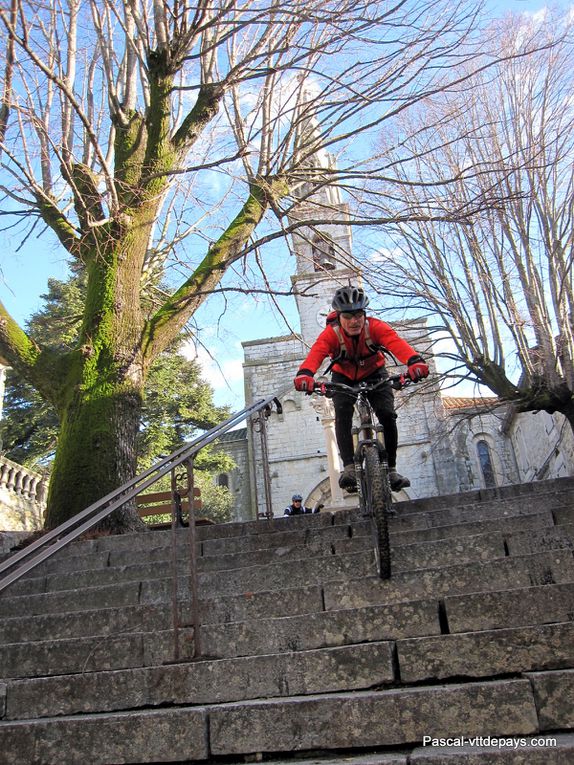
{"points": [[174, 594], [192, 539], [263, 415]]}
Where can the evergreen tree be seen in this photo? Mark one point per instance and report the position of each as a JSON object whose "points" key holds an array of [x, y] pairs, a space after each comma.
{"points": [[177, 403]]}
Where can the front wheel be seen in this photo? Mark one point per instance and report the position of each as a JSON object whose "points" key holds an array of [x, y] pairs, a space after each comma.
{"points": [[378, 499]]}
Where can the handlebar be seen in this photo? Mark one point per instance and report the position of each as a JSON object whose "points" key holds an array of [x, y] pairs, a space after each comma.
{"points": [[395, 381]]}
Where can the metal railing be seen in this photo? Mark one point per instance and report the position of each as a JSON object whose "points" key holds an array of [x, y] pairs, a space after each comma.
{"points": [[22, 562]]}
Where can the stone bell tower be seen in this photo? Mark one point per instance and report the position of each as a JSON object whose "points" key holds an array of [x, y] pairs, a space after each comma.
{"points": [[321, 238]]}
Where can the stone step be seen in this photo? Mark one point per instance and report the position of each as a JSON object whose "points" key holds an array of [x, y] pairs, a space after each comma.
{"points": [[162, 568], [506, 573], [556, 538], [548, 568], [227, 640], [539, 749], [525, 492], [493, 601], [296, 566], [300, 724], [469, 514], [96, 622], [367, 719], [90, 654], [534, 521], [104, 621], [88, 556], [207, 681], [327, 540], [487, 654], [510, 608], [323, 629], [553, 692]]}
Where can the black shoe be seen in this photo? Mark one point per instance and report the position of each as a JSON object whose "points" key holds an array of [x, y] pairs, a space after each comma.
{"points": [[348, 479], [398, 481]]}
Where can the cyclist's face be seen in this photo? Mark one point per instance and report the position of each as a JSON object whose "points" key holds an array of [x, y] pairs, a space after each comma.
{"points": [[352, 323]]}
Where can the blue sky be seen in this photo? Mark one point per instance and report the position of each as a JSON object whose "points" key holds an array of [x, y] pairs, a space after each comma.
{"points": [[24, 276]]}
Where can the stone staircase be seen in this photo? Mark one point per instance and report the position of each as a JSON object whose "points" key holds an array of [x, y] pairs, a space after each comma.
{"points": [[465, 656]]}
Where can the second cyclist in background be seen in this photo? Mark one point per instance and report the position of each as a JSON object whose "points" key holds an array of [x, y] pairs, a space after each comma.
{"points": [[355, 343]]}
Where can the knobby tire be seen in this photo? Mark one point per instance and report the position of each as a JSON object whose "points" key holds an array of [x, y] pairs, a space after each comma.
{"points": [[378, 499]]}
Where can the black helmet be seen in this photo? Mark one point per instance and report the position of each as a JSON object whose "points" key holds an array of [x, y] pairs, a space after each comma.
{"points": [[350, 299], [296, 498]]}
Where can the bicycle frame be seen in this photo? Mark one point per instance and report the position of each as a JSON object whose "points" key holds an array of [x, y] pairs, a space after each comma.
{"points": [[371, 466]]}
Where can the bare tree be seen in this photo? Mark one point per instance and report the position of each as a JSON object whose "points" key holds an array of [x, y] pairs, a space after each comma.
{"points": [[497, 158], [158, 139]]}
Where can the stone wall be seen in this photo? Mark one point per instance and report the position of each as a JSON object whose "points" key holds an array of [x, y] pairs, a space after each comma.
{"points": [[237, 480], [543, 443]]}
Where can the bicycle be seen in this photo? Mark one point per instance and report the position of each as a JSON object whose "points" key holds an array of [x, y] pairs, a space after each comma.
{"points": [[371, 466]]}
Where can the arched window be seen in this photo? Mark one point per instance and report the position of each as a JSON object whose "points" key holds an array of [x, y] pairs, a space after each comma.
{"points": [[323, 253], [223, 480], [485, 460]]}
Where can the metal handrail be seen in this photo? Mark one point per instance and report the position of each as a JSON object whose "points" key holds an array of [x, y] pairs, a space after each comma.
{"points": [[50, 543]]}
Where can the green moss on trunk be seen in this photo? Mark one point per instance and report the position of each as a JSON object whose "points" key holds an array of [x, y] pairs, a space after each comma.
{"points": [[96, 452]]}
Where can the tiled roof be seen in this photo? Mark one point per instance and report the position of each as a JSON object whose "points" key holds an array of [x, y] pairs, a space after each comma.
{"points": [[459, 402], [234, 435]]}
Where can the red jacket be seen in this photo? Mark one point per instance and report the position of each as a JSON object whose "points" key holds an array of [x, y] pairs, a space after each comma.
{"points": [[359, 361]]}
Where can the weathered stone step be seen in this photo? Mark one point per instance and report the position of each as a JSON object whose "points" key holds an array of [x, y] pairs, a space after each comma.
{"points": [[499, 604], [104, 621], [510, 608], [227, 640], [342, 721], [545, 749], [296, 566], [548, 568], [525, 492], [204, 682], [323, 629], [162, 568], [97, 622], [534, 522], [373, 719], [143, 736], [415, 519], [89, 654], [556, 538], [87, 555], [487, 654], [553, 693], [327, 540]]}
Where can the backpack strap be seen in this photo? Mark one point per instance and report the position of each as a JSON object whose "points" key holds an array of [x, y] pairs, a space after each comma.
{"points": [[343, 354]]}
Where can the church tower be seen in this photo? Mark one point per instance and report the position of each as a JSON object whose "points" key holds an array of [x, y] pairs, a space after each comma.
{"points": [[321, 237]]}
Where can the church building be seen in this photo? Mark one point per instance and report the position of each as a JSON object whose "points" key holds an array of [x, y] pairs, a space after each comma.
{"points": [[446, 444]]}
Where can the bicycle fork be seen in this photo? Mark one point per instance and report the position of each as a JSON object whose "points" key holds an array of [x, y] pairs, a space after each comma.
{"points": [[364, 436]]}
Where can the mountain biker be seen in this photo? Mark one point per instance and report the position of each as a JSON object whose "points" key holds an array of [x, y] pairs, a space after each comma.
{"points": [[356, 345]]}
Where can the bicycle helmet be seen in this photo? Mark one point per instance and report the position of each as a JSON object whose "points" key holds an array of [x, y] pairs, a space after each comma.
{"points": [[296, 498], [350, 299]]}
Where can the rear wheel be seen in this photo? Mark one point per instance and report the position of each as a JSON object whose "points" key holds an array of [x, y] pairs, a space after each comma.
{"points": [[378, 500]]}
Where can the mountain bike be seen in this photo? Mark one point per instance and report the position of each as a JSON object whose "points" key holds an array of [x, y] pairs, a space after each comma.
{"points": [[371, 465]]}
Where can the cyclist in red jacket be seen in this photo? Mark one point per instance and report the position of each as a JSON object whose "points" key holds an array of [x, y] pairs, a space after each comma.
{"points": [[356, 342]]}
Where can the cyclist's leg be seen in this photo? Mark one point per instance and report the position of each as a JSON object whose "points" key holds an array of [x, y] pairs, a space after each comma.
{"points": [[383, 402], [343, 404]]}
